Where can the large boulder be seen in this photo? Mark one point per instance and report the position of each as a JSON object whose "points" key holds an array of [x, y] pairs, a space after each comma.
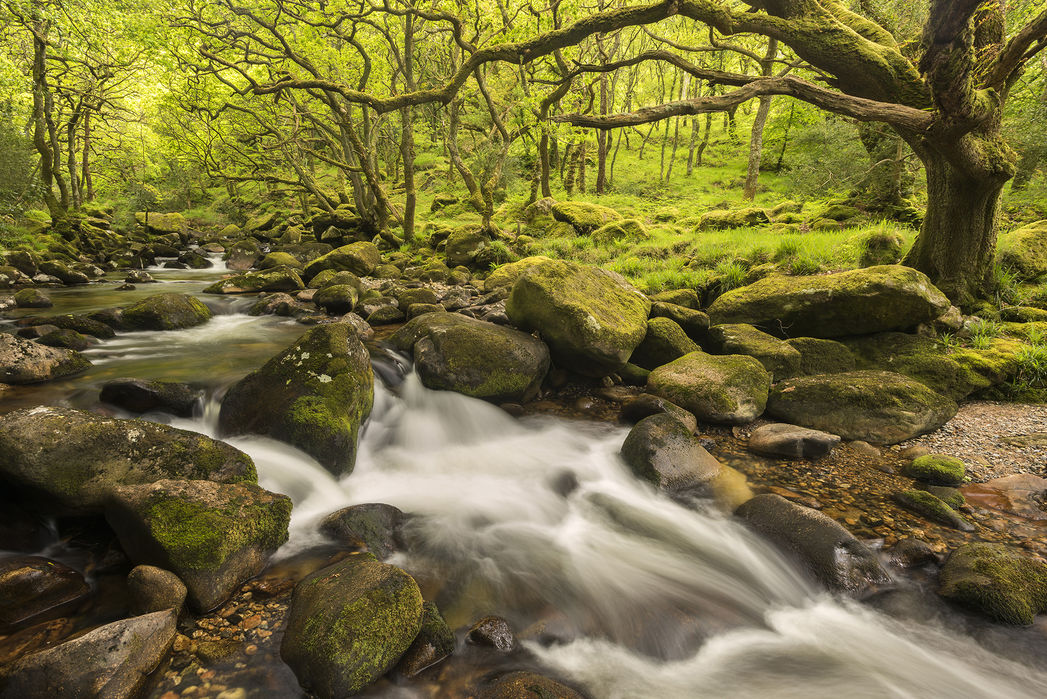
{"points": [[373, 525], [314, 396], [24, 361], [826, 551], [723, 219], [349, 624], [213, 536], [880, 407], [480, 359], [664, 341], [997, 581], [585, 217], [359, 258], [820, 356], [591, 319], [76, 459], [662, 450], [112, 661], [856, 302], [778, 357], [166, 312], [729, 389], [161, 224], [505, 276], [1024, 250], [243, 255], [337, 299], [273, 279], [465, 245]]}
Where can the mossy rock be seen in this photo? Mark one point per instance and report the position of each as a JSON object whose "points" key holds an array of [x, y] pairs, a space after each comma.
{"points": [[465, 246], [280, 259], [665, 341], [274, 279], [262, 222], [332, 277], [839, 212], [933, 508], [359, 258], [723, 219], [166, 312], [64, 273], [243, 254], [80, 323], [506, 275], [313, 395], [473, 357], [936, 469], [660, 449], [213, 536], [374, 526], [24, 362], [997, 581], [1013, 314], [879, 407], [592, 319], [434, 642], [583, 216], [688, 298], [65, 339], [956, 372], [349, 624], [881, 248], [856, 302], [694, 323], [729, 389], [75, 459], [34, 298], [780, 359], [161, 223], [630, 230], [1024, 251], [337, 299], [139, 396], [819, 356]]}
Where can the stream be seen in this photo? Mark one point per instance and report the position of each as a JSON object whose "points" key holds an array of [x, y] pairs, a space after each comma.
{"points": [[537, 520]]}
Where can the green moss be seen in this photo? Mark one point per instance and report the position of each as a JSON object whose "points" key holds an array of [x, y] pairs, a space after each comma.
{"points": [[732, 218], [279, 259], [937, 469], [818, 356], [728, 389], [777, 357], [274, 279], [585, 217], [933, 508], [665, 341], [166, 312], [997, 581], [629, 229]]}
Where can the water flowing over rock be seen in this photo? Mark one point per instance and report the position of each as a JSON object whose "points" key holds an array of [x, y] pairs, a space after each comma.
{"points": [[856, 302], [480, 359], [213, 536], [662, 450], [314, 396], [24, 361], [591, 319], [112, 661], [75, 459], [349, 624]]}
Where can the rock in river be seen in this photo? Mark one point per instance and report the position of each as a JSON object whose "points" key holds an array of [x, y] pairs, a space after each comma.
{"points": [[662, 450], [166, 312], [349, 624], [997, 581], [23, 361], [32, 587], [729, 389], [314, 396], [75, 459]]}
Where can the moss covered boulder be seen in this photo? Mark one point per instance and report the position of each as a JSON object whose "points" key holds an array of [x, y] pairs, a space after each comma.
{"points": [[583, 216], [933, 508], [880, 407], [333, 277], [718, 220], [936, 469], [32, 298], [779, 358], [273, 279], [997, 581], [213, 536], [694, 322], [279, 259], [314, 396], [480, 359], [825, 550], [856, 302], [166, 312], [464, 246], [243, 255], [349, 624], [688, 298], [337, 299], [23, 361], [359, 258], [74, 459], [662, 450], [665, 341], [434, 642], [630, 230], [506, 275], [820, 356], [1024, 250], [592, 319], [729, 389], [161, 224]]}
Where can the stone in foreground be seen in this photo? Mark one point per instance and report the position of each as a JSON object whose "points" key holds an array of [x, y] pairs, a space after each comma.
{"points": [[314, 396], [349, 624], [23, 361], [879, 407], [791, 442], [730, 389], [997, 581], [662, 450], [592, 319], [113, 661], [213, 536], [827, 551], [856, 302], [480, 359]]}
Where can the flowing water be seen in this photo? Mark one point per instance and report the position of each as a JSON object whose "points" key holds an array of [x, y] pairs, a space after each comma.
{"points": [[617, 587]]}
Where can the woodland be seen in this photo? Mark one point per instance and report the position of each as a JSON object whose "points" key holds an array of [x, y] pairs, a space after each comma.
{"points": [[523, 348]]}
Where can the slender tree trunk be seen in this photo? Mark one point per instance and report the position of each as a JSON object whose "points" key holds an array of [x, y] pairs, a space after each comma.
{"points": [[752, 174], [785, 138], [601, 142], [85, 169], [41, 100], [407, 132]]}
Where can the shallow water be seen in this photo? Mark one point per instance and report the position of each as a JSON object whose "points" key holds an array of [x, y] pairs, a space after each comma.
{"points": [[537, 520]]}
